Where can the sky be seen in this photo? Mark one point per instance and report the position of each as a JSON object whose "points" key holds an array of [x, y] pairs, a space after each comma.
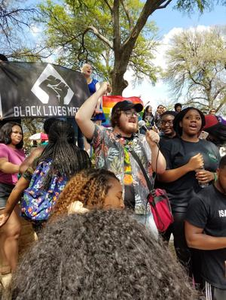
{"points": [[170, 21]]}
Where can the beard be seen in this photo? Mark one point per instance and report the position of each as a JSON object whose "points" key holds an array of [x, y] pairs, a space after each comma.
{"points": [[128, 129]]}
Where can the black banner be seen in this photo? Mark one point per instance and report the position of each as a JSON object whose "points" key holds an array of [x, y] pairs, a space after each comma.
{"points": [[40, 90]]}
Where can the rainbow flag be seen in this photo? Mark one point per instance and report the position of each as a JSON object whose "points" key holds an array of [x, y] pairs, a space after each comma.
{"points": [[110, 101]]}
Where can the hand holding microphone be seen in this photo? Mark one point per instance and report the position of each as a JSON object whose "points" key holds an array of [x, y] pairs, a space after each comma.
{"points": [[151, 135], [142, 125]]}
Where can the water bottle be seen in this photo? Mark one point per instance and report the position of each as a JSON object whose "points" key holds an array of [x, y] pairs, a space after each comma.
{"points": [[201, 184]]}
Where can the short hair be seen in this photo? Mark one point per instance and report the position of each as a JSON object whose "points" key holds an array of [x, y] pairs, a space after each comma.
{"points": [[102, 254], [84, 65], [88, 186], [3, 57], [177, 105], [168, 112], [222, 163], [6, 131]]}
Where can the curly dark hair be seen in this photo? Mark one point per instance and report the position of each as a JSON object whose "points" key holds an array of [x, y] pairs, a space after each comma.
{"points": [[88, 186], [5, 134], [67, 158], [103, 254]]}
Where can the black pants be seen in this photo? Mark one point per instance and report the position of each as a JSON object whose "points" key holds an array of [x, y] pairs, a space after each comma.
{"points": [[189, 258]]}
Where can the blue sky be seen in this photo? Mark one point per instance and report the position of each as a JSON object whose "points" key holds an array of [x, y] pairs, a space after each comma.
{"points": [[168, 18], [168, 21]]}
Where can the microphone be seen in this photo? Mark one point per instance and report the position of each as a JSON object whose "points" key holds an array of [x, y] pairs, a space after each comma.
{"points": [[142, 124]]}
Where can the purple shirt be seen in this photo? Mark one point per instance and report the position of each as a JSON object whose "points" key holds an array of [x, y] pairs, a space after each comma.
{"points": [[14, 156]]}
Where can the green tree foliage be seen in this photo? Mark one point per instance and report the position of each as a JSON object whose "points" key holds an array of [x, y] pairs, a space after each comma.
{"points": [[191, 5], [110, 34], [100, 32], [196, 67]]}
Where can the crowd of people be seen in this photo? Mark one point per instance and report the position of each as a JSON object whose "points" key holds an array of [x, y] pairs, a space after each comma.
{"points": [[97, 237]]}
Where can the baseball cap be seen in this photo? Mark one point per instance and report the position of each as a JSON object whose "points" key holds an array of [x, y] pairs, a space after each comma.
{"points": [[127, 105]]}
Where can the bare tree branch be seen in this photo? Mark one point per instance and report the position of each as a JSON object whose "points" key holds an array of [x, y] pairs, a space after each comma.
{"points": [[126, 10], [108, 5], [100, 36]]}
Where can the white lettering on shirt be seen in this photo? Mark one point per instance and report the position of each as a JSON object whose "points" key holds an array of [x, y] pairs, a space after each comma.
{"points": [[222, 213]]}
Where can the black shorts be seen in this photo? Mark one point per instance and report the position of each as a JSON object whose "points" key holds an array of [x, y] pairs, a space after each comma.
{"points": [[5, 191], [213, 293]]}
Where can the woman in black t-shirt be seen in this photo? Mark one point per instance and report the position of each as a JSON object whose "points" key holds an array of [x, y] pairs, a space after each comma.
{"points": [[185, 157]]}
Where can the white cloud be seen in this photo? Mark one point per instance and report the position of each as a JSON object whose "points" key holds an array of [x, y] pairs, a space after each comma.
{"points": [[35, 30]]}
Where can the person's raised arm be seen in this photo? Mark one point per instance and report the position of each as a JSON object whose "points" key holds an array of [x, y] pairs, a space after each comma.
{"points": [[13, 199], [194, 163], [99, 101], [197, 239], [158, 161], [30, 159], [85, 112]]}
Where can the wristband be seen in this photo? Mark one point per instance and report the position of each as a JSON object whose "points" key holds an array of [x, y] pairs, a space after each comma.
{"points": [[215, 177]]}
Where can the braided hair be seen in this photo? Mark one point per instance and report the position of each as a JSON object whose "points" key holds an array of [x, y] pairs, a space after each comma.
{"points": [[67, 158], [88, 186]]}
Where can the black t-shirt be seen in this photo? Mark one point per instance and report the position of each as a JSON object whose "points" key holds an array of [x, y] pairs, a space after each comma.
{"points": [[177, 153], [207, 210]]}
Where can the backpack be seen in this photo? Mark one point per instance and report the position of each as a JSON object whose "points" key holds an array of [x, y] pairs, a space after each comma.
{"points": [[161, 209], [37, 202]]}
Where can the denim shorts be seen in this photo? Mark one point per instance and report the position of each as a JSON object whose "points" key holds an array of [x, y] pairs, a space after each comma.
{"points": [[5, 190]]}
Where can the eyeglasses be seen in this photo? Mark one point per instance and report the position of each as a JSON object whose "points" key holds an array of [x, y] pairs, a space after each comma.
{"points": [[17, 132], [130, 113], [165, 122]]}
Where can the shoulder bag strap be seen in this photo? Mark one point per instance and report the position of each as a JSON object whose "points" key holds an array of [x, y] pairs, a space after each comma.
{"points": [[136, 157]]}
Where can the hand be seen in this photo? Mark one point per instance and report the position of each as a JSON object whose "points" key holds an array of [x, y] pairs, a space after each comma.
{"points": [[196, 162], [204, 176], [155, 128], [3, 218], [152, 138], [76, 207], [106, 87], [97, 111]]}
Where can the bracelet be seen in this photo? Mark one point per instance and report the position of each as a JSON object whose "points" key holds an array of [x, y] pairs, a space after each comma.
{"points": [[215, 177]]}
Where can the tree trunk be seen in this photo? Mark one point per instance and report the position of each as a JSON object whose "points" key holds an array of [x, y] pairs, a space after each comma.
{"points": [[122, 52], [118, 82]]}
